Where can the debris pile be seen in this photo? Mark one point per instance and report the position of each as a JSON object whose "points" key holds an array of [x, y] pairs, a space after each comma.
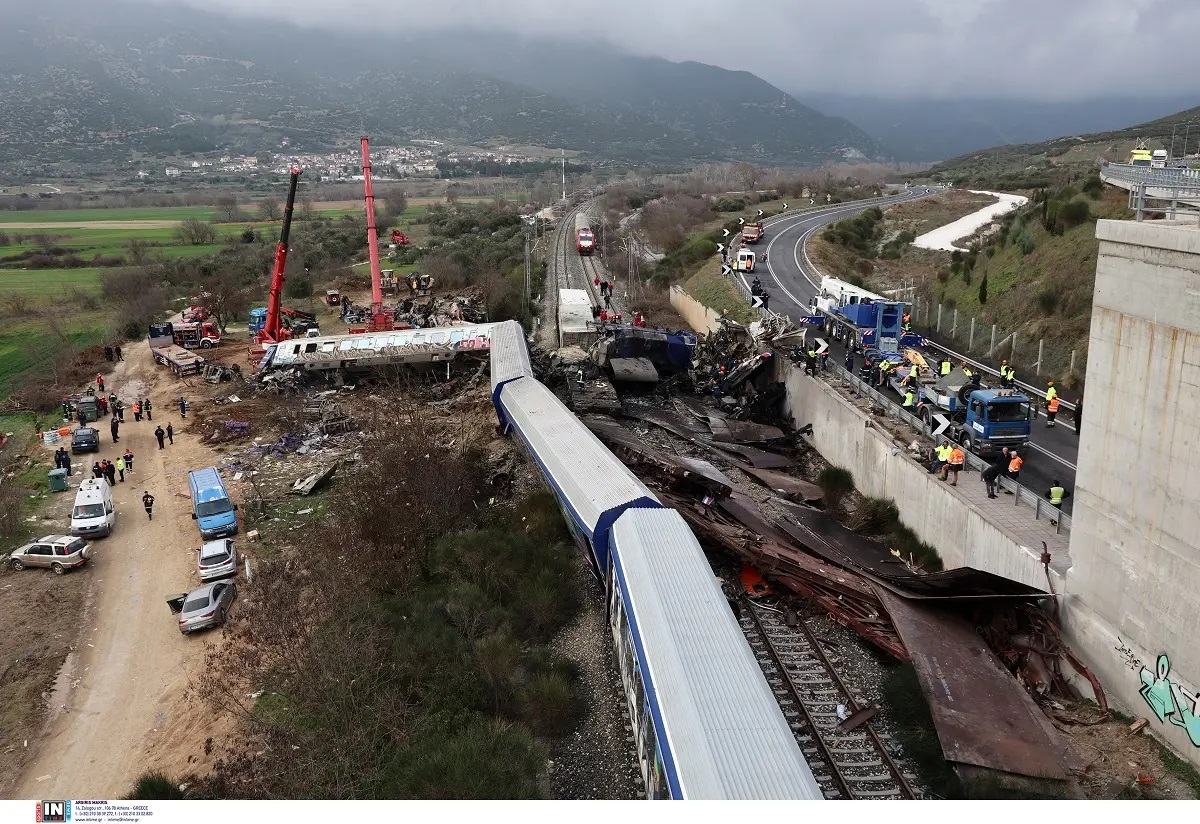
{"points": [[422, 310]]}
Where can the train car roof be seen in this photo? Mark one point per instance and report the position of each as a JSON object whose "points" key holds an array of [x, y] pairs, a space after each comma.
{"points": [[510, 354], [594, 486], [726, 735]]}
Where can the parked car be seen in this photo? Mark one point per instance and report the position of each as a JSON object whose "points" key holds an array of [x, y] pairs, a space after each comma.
{"points": [[205, 607], [54, 552], [85, 439], [216, 559]]}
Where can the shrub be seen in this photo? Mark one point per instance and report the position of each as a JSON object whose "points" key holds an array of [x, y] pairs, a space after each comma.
{"points": [[728, 204], [836, 484], [1074, 213], [1093, 187], [155, 786], [1025, 243], [1047, 301], [983, 291]]}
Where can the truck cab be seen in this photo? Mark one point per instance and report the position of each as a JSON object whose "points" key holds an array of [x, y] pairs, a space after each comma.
{"points": [[258, 319], [752, 232], [196, 335], [994, 419]]}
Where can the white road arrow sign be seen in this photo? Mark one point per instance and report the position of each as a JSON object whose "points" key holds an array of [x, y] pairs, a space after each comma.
{"points": [[943, 423], [822, 346], [726, 231], [721, 248], [760, 212], [741, 221], [785, 207], [756, 302], [725, 270], [811, 201]]}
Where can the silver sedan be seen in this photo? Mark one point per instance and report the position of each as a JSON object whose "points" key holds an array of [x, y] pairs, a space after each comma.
{"points": [[207, 606]]}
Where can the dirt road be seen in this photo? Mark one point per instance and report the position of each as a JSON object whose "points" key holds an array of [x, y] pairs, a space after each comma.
{"points": [[125, 707]]}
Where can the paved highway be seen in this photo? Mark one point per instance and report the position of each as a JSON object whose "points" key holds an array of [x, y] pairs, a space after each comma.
{"points": [[792, 280]]}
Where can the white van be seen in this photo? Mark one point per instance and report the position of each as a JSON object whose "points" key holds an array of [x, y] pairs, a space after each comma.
{"points": [[745, 260], [93, 514]]}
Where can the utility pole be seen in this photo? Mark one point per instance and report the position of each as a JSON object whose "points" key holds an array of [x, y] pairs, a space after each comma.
{"points": [[527, 296], [1171, 153]]}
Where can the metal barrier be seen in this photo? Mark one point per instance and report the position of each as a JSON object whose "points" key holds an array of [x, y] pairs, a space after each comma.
{"points": [[1155, 178], [1041, 507]]}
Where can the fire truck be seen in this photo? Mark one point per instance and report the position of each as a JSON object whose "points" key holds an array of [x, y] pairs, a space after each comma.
{"points": [[203, 335]]}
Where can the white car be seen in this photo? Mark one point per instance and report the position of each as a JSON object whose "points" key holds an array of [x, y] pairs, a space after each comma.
{"points": [[216, 559]]}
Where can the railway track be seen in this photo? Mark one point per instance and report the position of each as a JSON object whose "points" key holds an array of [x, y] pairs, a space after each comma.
{"points": [[855, 764]]}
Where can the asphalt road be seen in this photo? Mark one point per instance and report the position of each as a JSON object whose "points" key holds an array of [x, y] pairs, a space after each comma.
{"points": [[792, 280]]}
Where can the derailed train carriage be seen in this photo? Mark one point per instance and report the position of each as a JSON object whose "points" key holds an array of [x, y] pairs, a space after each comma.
{"points": [[706, 723], [376, 352]]}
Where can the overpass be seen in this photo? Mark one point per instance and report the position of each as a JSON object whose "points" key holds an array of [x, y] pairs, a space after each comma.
{"points": [[1173, 190]]}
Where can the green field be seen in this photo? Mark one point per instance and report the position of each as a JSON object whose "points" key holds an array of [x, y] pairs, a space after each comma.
{"points": [[87, 215], [27, 344]]}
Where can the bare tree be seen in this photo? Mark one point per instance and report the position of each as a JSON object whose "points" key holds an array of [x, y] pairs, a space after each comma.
{"points": [[227, 295], [195, 232], [396, 201], [229, 209], [308, 211], [747, 176], [269, 209]]}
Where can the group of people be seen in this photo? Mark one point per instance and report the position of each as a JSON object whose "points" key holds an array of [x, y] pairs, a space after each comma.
{"points": [[950, 458], [114, 471], [62, 459], [606, 291], [113, 353]]}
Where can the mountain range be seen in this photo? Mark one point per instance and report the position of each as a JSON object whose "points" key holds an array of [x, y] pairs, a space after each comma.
{"points": [[923, 130], [91, 81]]}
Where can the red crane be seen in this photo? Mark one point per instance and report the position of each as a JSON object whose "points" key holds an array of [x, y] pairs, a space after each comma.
{"points": [[381, 319], [274, 331]]}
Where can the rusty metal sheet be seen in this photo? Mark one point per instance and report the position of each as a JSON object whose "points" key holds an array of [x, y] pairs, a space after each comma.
{"points": [[730, 431], [983, 716], [828, 539], [782, 483], [758, 458], [670, 422]]}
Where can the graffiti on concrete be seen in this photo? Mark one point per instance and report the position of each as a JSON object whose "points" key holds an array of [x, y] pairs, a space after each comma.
{"points": [[1170, 702], [1130, 657]]}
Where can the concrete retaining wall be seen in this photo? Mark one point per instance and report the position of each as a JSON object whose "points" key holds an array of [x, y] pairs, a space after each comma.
{"points": [[699, 317], [1135, 585], [847, 437]]}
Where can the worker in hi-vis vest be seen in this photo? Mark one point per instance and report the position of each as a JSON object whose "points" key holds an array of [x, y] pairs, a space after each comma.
{"points": [[910, 399], [945, 367], [1057, 493]]}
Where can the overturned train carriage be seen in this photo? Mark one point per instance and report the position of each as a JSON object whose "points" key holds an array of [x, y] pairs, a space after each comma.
{"points": [[376, 351], [705, 722]]}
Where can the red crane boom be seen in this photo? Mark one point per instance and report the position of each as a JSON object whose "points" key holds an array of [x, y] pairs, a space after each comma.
{"points": [[273, 330], [381, 320]]}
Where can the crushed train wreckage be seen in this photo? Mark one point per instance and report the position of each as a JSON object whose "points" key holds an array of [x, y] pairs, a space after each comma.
{"points": [[927, 618]]}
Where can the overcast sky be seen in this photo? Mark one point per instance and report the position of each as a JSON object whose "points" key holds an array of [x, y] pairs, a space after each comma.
{"points": [[1037, 49]]}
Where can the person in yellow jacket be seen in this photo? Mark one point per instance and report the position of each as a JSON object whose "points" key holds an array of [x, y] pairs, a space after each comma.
{"points": [[1057, 493], [941, 455], [945, 368], [954, 463]]}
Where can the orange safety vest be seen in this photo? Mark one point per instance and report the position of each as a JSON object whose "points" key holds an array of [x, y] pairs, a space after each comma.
{"points": [[1014, 465], [1053, 405], [957, 458]]}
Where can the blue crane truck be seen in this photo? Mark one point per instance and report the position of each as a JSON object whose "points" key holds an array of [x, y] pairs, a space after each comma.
{"points": [[984, 420]]}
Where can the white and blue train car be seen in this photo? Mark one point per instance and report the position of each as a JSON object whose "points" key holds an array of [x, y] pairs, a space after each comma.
{"points": [[593, 488], [706, 723]]}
